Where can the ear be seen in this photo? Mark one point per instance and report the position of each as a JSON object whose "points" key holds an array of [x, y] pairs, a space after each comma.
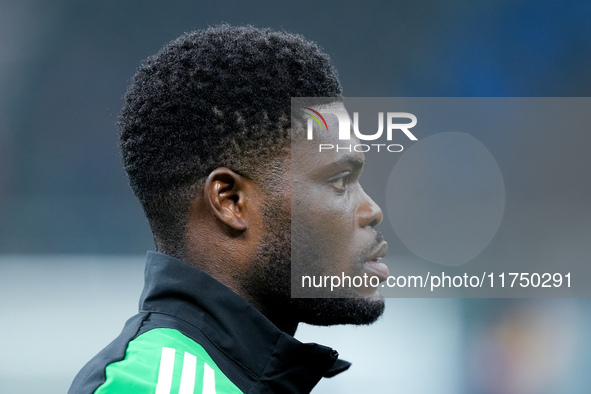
{"points": [[224, 193]]}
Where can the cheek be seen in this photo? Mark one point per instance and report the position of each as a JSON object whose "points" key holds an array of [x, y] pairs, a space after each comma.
{"points": [[323, 229], [324, 209]]}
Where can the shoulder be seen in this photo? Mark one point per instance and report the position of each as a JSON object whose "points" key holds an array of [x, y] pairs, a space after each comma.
{"points": [[164, 360]]}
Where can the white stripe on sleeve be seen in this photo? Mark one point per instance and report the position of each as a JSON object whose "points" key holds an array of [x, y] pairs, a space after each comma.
{"points": [[188, 374], [165, 372], [208, 380]]}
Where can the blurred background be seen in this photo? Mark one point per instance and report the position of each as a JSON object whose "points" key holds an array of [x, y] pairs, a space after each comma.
{"points": [[73, 237]]}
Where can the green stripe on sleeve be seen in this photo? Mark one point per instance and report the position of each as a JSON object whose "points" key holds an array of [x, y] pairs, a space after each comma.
{"points": [[164, 361]]}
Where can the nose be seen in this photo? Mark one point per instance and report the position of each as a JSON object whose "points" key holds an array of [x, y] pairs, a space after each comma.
{"points": [[370, 214]]}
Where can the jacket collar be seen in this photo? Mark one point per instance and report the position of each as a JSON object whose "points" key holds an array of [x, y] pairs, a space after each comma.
{"points": [[234, 326]]}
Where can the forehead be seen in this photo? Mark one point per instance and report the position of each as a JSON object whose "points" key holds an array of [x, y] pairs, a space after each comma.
{"points": [[325, 148]]}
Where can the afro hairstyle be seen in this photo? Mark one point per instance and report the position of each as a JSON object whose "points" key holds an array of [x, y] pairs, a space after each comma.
{"points": [[218, 97]]}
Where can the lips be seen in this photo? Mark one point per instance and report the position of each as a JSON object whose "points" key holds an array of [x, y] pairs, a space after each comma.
{"points": [[374, 266], [377, 268]]}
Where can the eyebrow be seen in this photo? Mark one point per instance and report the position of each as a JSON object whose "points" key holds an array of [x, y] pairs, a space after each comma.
{"points": [[355, 162]]}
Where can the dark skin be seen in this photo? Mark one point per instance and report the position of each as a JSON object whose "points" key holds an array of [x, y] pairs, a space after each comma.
{"points": [[225, 226], [330, 204], [225, 229], [331, 216]]}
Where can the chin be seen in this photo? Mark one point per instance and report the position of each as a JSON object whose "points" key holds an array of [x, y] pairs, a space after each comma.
{"points": [[332, 311]]}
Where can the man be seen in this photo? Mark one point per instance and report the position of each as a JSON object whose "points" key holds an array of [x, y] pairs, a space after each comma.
{"points": [[206, 143]]}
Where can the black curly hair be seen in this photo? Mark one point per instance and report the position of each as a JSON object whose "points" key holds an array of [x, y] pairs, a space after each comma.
{"points": [[212, 98]]}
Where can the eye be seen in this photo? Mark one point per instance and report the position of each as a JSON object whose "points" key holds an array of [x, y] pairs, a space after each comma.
{"points": [[341, 181]]}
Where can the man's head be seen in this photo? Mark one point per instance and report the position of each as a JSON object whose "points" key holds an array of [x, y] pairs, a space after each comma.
{"points": [[332, 232], [205, 138], [213, 98]]}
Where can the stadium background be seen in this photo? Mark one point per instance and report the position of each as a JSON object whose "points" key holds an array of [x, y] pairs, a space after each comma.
{"points": [[72, 236]]}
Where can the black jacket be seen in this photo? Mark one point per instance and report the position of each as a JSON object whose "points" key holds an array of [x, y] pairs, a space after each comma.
{"points": [[193, 334]]}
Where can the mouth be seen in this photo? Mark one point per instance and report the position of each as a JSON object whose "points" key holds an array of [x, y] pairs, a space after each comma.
{"points": [[374, 266]]}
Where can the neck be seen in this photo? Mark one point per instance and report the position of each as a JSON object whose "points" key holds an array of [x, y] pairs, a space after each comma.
{"points": [[274, 307]]}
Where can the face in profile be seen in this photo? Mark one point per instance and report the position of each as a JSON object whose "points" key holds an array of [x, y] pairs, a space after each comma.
{"points": [[332, 232], [333, 219]]}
